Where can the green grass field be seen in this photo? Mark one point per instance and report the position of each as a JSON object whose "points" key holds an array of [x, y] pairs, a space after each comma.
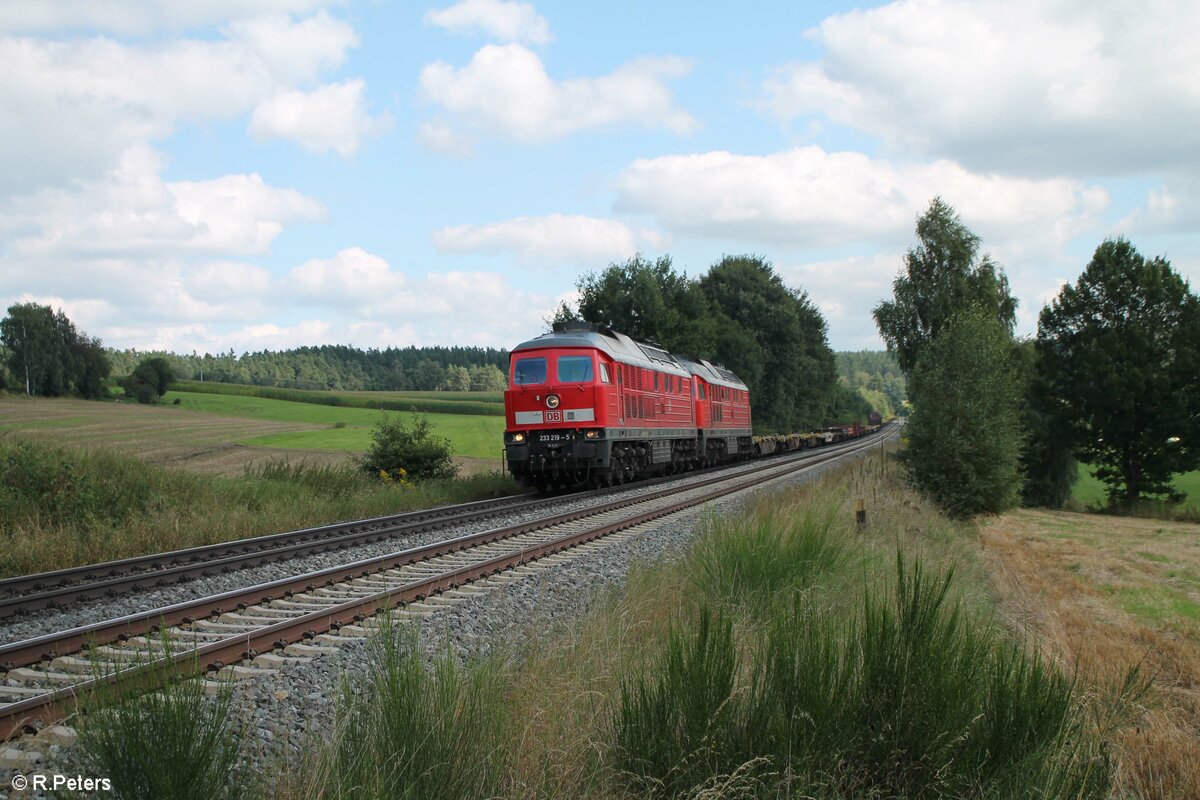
{"points": [[473, 435], [1090, 491]]}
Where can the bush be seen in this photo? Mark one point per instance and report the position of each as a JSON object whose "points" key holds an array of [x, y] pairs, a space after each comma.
{"points": [[402, 453], [674, 728], [907, 697]]}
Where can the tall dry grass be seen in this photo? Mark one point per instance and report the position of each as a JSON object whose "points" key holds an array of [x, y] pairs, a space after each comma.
{"points": [[63, 507]]}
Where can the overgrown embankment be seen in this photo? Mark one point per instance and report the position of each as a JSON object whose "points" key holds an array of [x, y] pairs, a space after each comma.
{"points": [[788, 654], [61, 507]]}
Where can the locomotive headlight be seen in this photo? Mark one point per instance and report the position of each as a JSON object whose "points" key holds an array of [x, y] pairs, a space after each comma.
{"points": [[591, 434], [518, 437], [552, 401]]}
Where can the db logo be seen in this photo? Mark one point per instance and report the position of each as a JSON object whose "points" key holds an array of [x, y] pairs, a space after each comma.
{"points": [[554, 416]]}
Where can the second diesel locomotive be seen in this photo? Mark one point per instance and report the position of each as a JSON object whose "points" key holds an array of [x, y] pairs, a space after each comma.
{"points": [[591, 406]]}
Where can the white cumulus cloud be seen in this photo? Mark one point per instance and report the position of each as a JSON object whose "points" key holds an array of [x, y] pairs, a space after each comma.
{"points": [[1058, 87], [133, 212], [507, 21], [809, 197], [332, 117], [353, 278], [505, 90], [140, 17], [71, 108], [556, 238]]}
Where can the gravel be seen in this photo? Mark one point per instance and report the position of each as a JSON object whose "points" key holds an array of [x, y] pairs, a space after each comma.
{"points": [[284, 707], [46, 621]]}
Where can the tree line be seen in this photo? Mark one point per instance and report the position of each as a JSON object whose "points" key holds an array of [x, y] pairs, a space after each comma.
{"points": [[340, 367], [1112, 377]]}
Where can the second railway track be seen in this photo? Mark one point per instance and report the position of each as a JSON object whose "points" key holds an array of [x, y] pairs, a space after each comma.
{"points": [[47, 674]]}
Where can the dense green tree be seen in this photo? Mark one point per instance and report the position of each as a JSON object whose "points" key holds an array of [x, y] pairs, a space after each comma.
{"points": [[47, 354], [150, 379], [1047, 456], [846, 406], [776, 336], [877, 376], [487, 378], [428, 374], [943, 276], [649, 301], [964, 437], [1120, 351], [739, 314], [324, 367], [457, 379]]}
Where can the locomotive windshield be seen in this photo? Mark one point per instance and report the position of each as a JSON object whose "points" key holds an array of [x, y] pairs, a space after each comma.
{"points": [[529, 371], [574, 369]]}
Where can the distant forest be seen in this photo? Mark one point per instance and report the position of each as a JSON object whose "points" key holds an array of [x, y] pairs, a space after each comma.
{"points": [[340, 367], [874, 374]]}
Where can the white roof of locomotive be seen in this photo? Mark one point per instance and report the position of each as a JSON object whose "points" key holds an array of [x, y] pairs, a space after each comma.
{"points": [[713, 374], [627, 351], [617, 345]]}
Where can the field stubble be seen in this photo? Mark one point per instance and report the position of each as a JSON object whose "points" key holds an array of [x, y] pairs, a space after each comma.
{"points": [[1100, 594]]}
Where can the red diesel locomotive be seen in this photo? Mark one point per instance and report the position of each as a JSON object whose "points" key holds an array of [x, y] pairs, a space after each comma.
{"points": [[592, 406]]}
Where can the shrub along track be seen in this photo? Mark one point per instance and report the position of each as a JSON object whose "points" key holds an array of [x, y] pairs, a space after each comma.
{"points": [[301, 616]]}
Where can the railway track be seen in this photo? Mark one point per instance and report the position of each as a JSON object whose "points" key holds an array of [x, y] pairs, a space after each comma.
{"points": [[267, 624], [112, 578]]}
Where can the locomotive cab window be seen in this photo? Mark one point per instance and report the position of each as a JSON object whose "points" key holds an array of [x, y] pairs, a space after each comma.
{"points": [[604, 373], [575, 369], [529, 371]]}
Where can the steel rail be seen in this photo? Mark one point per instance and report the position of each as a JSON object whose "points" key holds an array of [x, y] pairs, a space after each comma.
{"points": [[106, 578], [56, 704], [58, 588]]}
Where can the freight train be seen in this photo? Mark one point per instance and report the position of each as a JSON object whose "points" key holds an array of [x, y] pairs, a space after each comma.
{"points": [[590, 406]]}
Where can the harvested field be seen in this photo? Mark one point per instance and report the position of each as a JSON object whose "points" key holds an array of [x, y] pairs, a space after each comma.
{"points": [[174, 437], [156, 434], [1101, 594]]}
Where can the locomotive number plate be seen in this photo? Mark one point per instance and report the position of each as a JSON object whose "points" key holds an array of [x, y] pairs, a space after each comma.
{"points": [[554, 437]]}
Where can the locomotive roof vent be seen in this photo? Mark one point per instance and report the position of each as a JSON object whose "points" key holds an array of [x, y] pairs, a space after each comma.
{"points": [[573, 326]]}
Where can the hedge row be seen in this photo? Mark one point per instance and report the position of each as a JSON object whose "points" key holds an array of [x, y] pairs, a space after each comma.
{"points": [[432, 405]]}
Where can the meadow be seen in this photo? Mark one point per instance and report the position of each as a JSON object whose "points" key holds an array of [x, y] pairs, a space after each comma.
{"points": [[340, 428], [1089, 492]]}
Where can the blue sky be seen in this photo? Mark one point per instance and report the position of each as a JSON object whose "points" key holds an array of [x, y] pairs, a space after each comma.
{"points": [[265, 174]]}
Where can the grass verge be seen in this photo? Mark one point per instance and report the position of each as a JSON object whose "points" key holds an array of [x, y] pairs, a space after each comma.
{"points": [[408, 731], [64, 507], [155, 735], [788, 653]]}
